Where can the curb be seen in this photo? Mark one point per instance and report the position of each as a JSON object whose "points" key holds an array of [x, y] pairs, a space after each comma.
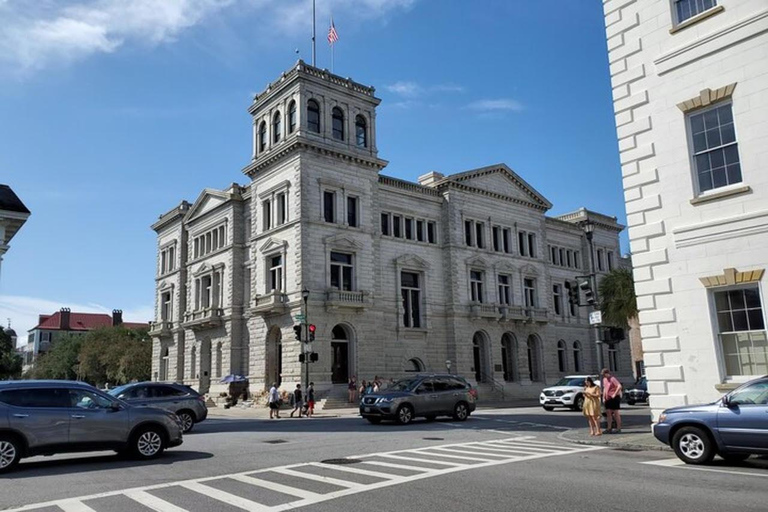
{"points": [[617, 445]]}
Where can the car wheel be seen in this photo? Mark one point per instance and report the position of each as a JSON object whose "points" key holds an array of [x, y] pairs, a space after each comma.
{"points": [[10, 452], [578, 405], [548, 408], [375, 421], [147, 443], [431, 417], [734, 457], [187, 421], [404, 414], [692, 445], [460, 411]]}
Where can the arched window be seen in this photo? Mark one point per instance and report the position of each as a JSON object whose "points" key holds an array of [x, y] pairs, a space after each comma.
{"points": [[277, 127], [576, 356], [262, 136], [361, 132], [292, 117], [562, 357], [339, 333], [313, 116], [414, 365], [338, 123]]}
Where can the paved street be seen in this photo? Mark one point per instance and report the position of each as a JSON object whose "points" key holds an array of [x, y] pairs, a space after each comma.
{"points": [[497, 460]]}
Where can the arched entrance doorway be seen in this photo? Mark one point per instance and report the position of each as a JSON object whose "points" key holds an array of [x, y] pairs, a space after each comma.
{"points": [[509, 357], [205, 365], [535, 372], [480, 356], [341, 354], [414, 365], [274, 356]]}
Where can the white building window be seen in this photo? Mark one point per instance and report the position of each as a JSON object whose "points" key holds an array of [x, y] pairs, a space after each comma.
{"points": [[420, 230], [385, 224], [468, 233], [275, 283], [529, 292], [408, 229], [741, 327], [526, 242], [352, 213], [341, 271], [576, 356], [282, 208], [411, 292], [496, 238], [210, 241], [600, 260], [557, 299], [266, 206], [329, 206], [166, 307], [505, 290], [715, 150], [476, 285], [397, 226], [685, 9], [562, 357], [431, 232], [168, 259], [480, 235]]}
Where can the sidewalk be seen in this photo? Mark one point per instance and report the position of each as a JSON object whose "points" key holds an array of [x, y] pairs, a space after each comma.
{"points": [[632, 438], [263, 413]]}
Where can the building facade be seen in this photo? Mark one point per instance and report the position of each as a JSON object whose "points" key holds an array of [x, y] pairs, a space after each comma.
{"points": [[13, 215], [462, 272], [690, 90]]}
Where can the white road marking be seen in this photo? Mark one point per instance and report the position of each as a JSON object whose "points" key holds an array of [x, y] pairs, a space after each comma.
{"points": [[678, 464], [356, 470], [439, 453], [419, 455], [471, 450]]}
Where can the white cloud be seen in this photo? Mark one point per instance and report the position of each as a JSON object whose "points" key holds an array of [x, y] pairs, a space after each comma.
{"points": [[497, 105], [409, 89], [24, 311]]}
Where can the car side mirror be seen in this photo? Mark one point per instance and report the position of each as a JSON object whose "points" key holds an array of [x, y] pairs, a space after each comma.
{"points": [[727, 402], [114, 407]]}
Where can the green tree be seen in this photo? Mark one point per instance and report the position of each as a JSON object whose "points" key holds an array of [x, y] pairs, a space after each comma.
{"points": [[115, 355], [617, 297], [10, 361], [61, 361]]}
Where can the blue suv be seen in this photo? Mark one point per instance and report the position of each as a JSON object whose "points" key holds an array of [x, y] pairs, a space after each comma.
{"points": [[734, 427]]}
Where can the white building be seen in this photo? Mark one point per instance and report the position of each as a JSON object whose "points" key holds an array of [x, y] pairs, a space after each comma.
{"points": [[690, 89], [463, 271]]}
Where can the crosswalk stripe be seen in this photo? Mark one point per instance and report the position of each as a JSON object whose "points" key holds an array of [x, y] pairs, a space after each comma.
{"points": [[225, 497], [153, 502], [356, 470], [499, 450], [535, 449], [473, 451], [75, 506], [318, 478], [397, 466], [529, 442], [440, 462], [285, 489], [438, 453]]}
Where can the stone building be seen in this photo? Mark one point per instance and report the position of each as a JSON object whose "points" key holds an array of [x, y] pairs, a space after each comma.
{"points": [[462, 272], [690, 91]]}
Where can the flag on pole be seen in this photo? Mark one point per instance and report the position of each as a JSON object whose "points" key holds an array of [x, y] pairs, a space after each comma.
{"points": [[333, 36]]}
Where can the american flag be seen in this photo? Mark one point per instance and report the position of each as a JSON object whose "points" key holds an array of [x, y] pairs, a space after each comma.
{"points": [[333, 36]]}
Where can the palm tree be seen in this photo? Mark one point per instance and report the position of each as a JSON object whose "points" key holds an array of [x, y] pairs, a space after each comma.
{"points": [[617, 297]]}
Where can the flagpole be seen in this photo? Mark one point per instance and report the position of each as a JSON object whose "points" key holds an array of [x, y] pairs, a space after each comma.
{"points": [[313, 34]]}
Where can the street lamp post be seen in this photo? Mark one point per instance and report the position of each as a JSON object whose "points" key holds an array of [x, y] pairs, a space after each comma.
{"points": [[305, 337], [589, 231]]}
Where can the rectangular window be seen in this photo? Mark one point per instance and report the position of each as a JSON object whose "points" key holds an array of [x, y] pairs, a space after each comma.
{"points": [[741, 326], [600, 260], [529, 292], [206, 291], [552, 254], [480, 232], [476, 286], [610, 261], [468, 232], [557, 299], [532, 245], [431, 234], [521, 238], [505, 290], [685, 9], [495, 231], [385, 224], [562, 257], [165, 311], [409, 228], [411, 293], [577, 259], [569, 256], [275, 273], [397, 226], [715, 150], [282, 209], [420, 230], [267, 208], [352, 211], [341, 271], [329, 206], [507, 240]]}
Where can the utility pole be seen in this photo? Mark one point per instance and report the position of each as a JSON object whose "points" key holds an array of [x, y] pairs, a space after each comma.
{"points": [[305, 337], [589, 231]]}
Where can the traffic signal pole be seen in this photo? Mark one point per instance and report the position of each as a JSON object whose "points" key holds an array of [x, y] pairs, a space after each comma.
{"points": [[596, 327], [305, 341]]}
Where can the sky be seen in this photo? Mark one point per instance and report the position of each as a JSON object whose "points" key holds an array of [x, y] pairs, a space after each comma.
{"points": [[113, 111]]}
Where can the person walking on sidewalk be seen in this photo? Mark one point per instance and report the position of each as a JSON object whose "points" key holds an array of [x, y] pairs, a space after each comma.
{"points": [[273, 400], [297, 401], [612, 400], [311, 400], [591, 407], [352, 389]]}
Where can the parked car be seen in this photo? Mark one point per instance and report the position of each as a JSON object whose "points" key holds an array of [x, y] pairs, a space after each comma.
{"points": [[185, 402], [48, 417], [427, 396], [567, 392], [637, 392], [735, 427]]}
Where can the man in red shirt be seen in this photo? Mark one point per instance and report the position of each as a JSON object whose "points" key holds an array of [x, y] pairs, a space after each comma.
{"points": [[612, 400]]}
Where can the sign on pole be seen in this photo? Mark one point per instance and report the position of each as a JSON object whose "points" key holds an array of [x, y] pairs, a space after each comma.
{"points": [[300, 317], [595, 318]]}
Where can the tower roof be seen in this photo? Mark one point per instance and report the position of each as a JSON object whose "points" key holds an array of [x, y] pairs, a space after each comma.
{"points": [[9, 201]]}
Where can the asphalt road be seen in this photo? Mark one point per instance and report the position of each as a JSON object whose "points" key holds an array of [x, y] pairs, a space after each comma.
{"points": [[498, 460]]}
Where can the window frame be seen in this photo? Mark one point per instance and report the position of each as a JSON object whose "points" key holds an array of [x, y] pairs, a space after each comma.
{"points": [[262, 136], [341, 274], [337, 132], [407, 300], [277, 127], [353, 213], [719, 333], [476, 288], [533, 303], [333, 208], [504, 289], [557, 299], [273, 270], [676, 14], [292, 118], [358, 126], [314, 126], [692, 154]]}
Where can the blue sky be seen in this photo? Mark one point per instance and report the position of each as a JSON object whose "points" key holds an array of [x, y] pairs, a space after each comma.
{"points": [[111, 112]]}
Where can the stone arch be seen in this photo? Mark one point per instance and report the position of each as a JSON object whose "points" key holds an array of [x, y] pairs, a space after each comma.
{"points": [[343, 352], [274, 366], [414, 365], [509, 357], [481, 356], [535, 363]]}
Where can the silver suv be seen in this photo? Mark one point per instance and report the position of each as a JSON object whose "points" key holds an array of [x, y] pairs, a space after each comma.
{"points": [[182, 400], [429, 396], [48, 417]]}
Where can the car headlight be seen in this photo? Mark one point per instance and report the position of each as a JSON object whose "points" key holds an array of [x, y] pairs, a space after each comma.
{"points": [[662, 417]]}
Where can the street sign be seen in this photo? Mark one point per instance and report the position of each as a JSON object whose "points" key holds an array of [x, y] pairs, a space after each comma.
{"points": [[595, 318], [300, 317]]}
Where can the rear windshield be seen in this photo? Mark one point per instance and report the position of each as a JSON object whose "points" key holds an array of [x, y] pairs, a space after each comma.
{"points": [[570, 382]]}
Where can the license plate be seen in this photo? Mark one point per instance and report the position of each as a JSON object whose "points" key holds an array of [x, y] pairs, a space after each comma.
{"points": [[552, 402], [367, 409]]}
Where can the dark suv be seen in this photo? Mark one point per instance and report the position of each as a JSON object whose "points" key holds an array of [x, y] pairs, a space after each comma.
{"points": [[182, 400], [48, 417], [428, 396]]}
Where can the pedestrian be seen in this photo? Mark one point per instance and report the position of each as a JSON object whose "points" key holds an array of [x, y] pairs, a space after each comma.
{"points": [[363, 388], [311, 400], [369, 388], [612, 400], [297, 401], [352, 389], [376, 385], [273, 400], [591, 407]]}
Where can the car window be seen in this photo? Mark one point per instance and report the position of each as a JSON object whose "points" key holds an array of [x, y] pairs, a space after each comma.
{"points": [[457, 385], [425, 387], [403, 385], [756, 394], [441, 385], [36, 397], [84, 399]]}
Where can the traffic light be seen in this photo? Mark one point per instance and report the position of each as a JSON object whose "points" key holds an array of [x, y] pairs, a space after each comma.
{"points": [[573, 292], [302, 357], [297, 331], [616, 334], [589, 294], [313, 357], [312, 329]]}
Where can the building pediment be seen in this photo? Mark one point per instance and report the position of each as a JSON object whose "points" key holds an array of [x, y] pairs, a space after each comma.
{"points": [[529, 270], [411, 261], [208, 200], [166, 285], [273, 244], [476, 261], [504, 266], [499, 180], [343, 242]]}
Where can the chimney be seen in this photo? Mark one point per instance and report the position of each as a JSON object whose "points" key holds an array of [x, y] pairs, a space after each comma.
{"points": [[429, 179], [117, 317], [64, 319]]}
